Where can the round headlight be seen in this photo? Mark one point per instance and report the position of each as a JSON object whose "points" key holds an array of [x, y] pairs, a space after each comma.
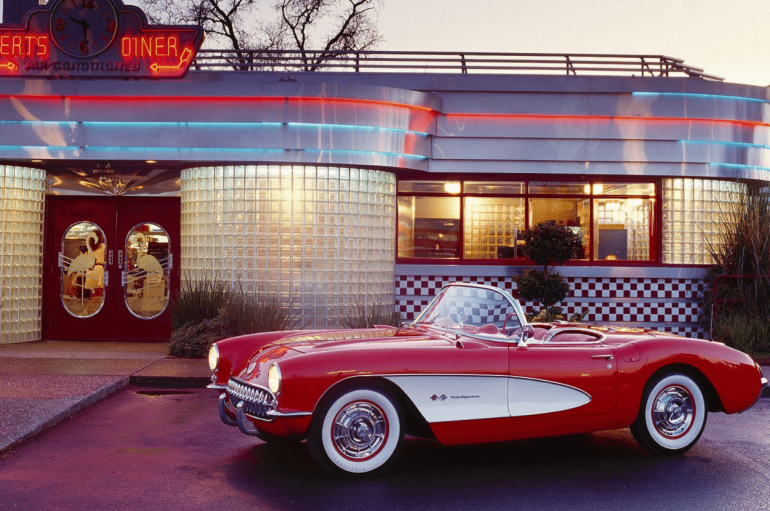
{"points": [[213, 357], [274, 378]]}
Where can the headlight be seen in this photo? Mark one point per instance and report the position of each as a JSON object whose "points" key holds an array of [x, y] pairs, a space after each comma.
{"points": [[213, 357], [274, 378]]}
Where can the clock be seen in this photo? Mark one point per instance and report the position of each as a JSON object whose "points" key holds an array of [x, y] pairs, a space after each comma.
{"points": [[84, 28]]}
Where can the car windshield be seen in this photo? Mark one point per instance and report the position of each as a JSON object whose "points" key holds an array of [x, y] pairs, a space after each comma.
{"points": [[473, 310]]}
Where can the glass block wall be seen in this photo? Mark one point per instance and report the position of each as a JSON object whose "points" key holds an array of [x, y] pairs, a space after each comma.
{"points": [[694, 213], [22, 202], [320, 237]]}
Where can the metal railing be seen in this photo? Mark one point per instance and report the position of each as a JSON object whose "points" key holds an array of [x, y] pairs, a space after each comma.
{"points": [[577, 64]]}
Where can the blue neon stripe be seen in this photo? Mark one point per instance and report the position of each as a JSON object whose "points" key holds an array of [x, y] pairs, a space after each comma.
{"points": [[246, 150], [702, 96], [721, 142]]}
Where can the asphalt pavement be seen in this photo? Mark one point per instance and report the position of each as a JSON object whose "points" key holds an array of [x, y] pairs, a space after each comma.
{"points": [[44, 383]]}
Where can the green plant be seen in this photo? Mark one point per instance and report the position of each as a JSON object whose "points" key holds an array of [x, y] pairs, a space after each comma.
{"points": [[739, 278], [247, 313], [208, 310], [194, 339], [743, 331], [366, 317], [547, 244], [199, 300]]}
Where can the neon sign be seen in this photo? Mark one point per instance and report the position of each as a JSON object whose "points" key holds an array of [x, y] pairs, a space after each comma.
{"points": [[97, 39]]}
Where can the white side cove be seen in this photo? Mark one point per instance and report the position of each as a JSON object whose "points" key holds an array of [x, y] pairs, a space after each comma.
{"points": [[457, 398], [535, 397]]}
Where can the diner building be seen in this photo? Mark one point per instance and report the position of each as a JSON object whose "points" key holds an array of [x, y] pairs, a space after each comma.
{"points": [[372, 181]]}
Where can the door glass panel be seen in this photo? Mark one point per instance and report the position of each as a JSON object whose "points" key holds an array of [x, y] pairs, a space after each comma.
{"points": [[82, 269], [147, 269]]}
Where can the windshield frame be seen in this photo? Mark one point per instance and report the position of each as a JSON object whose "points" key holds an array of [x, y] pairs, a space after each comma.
{"points": [[420, 320]]}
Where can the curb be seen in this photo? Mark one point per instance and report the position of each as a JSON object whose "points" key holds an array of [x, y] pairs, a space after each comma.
{"points": [[170, 382], [65, 414]]}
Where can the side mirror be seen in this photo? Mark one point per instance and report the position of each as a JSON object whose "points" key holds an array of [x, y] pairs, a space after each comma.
{"points": [[527, 333]]}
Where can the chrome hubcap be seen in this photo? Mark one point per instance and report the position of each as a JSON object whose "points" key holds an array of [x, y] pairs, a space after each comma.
{"points": [[360, 429], [673, 411]]}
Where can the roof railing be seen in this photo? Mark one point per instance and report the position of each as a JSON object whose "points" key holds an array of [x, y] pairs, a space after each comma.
{"points": [[574, 64]]}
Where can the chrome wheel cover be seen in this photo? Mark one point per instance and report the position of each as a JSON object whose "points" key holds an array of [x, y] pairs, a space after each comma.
{"points": [[360, 430], [673, 411]]}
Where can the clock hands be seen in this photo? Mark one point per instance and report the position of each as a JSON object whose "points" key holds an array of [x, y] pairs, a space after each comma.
{"points": [[84, 24]]}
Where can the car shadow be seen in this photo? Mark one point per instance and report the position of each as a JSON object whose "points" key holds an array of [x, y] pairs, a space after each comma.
{"points": [[428, 474]]}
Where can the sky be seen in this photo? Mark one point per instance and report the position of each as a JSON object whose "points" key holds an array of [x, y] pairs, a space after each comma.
{"points": [[727, 38]]}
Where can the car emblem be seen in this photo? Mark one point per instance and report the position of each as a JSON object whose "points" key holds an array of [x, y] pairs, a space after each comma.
{"points": [[442, 397]]}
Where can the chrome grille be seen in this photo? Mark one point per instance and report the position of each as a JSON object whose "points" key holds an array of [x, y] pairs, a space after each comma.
{"points": [[257, 401]]}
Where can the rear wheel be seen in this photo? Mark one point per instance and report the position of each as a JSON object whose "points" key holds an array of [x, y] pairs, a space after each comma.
{"points": [[357, 431], [672, 414]]}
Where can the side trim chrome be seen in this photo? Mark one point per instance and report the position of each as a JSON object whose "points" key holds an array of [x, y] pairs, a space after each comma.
{"points": [[214, 386]]}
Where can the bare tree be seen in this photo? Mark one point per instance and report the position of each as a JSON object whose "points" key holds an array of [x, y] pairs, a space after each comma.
{"points": [[318, 30]]}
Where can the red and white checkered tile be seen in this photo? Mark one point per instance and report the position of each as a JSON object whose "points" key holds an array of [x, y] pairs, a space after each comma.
{"points": [[667, 304]]}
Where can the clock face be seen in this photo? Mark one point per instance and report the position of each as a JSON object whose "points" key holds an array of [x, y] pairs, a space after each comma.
{"points": [[83, 28]]}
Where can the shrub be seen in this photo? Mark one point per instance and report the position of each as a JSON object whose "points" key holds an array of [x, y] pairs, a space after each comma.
{"points": [[247, 314], [739, 279], [378, 314], [199, 300], [743, 331], [547, 244], [206, 311], [194, 339]]}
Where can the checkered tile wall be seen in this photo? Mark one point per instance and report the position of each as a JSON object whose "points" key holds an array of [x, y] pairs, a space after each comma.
{"points": [[669, 305]]}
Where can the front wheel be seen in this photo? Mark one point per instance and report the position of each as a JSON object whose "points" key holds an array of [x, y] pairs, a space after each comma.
{"points": [[672, 414], [356, 432]]}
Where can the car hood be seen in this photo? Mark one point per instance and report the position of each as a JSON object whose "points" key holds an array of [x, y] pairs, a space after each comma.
{"points": [[356, 339]]}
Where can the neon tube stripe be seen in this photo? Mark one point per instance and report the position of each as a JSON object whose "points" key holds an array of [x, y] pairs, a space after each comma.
{"points": [[220, 125], [222, 99], [606, 118], [701, 96]]}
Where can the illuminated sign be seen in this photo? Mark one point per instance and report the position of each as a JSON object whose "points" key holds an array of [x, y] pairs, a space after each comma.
{"points": [[96, 39]]}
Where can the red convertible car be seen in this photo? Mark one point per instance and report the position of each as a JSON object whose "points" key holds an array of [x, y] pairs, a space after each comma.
{"points": [[471, 369]]}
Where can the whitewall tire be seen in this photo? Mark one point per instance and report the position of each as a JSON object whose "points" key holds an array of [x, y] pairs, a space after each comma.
{"points": [[357, 432], [672, 414]]}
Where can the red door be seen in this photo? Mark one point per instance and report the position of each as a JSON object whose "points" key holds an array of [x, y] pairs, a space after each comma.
{"points": [[110, 267]]}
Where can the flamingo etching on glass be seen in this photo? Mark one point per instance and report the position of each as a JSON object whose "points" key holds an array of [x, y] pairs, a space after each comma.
{"points": [[83, 262], [146, 264]]}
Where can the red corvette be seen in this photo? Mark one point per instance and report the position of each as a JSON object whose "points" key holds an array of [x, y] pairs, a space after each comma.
{"points": [[468, 370]]}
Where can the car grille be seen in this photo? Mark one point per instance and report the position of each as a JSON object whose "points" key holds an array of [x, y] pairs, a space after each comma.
{"points": [[257, 401]]}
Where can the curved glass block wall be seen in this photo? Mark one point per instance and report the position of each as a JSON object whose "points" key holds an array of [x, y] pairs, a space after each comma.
{"points": [[695, 212], [22, 202], [320, 237]]}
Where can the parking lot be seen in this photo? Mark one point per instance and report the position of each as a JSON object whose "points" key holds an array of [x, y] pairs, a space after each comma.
{"points": [[147, 448]]}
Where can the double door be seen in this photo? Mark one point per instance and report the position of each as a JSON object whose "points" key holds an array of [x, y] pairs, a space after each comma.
{"points": [[111, 267]]}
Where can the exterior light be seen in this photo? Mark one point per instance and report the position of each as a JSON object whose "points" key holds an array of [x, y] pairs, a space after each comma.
{"points": [[452, 187], [151, 161]]}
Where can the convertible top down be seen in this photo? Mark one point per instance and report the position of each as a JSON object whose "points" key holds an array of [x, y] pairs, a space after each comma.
{"points": [[470, 369]]}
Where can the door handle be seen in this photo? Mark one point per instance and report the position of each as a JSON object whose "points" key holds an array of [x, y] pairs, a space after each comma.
{"points": [[605, 357]]}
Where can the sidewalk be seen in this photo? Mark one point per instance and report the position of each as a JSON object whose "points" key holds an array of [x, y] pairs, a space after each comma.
{"points": [[43, 383]]}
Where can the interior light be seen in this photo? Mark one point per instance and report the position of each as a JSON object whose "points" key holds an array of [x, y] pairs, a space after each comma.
{"points": [[635, 203], [598, 189], [452, 187], [587, 189]]}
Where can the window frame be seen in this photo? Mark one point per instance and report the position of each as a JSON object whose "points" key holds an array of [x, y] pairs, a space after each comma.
{"points": [[655, 226]]}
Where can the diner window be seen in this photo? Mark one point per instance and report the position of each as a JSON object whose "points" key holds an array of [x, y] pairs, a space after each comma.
{"points": [[484, 220], [622, 229], [491, 227], [429, 227], [573, 214]]}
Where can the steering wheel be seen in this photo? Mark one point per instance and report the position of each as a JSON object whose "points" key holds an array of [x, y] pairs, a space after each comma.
{"points": [[512, 328]]}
